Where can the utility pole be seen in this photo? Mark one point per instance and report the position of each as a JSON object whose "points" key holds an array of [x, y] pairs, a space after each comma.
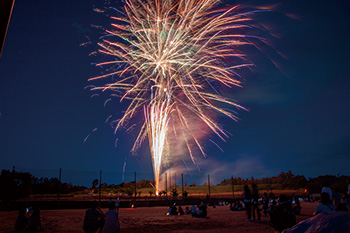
{"points": [[170, 180], [99, 196], [182, 181], [166, 186], [59, 188], [233, 191], [135, 186], [209, 185]]}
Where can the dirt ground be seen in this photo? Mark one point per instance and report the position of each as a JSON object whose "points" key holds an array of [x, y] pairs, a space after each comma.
{"points": [[154, 220]]}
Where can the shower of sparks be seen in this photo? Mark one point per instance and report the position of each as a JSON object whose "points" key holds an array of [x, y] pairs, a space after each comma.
{"points": [[104, 105], [170, 58]]}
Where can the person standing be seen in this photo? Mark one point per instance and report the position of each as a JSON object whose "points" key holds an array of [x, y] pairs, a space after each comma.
{"points": [[247, 199], [117, 203], [265, 203], [283, 217], [112, 219], [256, 201]]}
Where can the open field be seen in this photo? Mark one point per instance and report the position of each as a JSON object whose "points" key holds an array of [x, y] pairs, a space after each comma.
{"points": [[197, 193], [153, 219]]}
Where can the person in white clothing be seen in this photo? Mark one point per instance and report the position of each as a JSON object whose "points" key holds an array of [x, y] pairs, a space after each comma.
{"points": [[117, 203], [325, 205], [112, 219], [327, 189]]}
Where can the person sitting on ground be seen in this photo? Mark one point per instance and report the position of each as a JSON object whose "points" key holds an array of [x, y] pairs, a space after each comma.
{"points": [[112, 219], [328, 190], [169, 210], [325, 205], [198, 212], [34, 221], [336, 197], [342, 207], [201, 212], [236, 206], [21, 221], [204, 213], [173, 210], [94, 219], [231, 207], [297, 207], [188, 210], [283, 217], [181, 211], [193, 209]]}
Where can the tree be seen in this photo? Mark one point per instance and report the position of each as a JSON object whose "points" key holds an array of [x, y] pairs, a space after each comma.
{"points": [[15, 185], [94, 183], [130, 192], [185, 194], [150, 193], [174, 192]]}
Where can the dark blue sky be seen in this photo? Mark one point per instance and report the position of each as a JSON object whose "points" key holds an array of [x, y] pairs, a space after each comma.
{"points": [[298, 116]]}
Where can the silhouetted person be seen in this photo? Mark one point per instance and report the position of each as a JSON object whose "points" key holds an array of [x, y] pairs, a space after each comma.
{"points": [[181, 211], [247, 199], [34, 221], [342, 207], [117, 203], [173, 210], [327, 189], [201, 212], [193, 209], [336, 197], [256, 201], [297, 207], [282, 217], [325, 205], [94, 219], [112, 219], [169, 210], [21, 221], [265, 201]]}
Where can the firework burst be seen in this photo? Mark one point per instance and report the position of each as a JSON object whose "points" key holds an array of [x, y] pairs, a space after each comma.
{"points": [[170, 57]]}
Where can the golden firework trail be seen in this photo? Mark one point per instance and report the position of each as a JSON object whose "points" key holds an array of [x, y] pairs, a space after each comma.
{"points": [[169, 59]]}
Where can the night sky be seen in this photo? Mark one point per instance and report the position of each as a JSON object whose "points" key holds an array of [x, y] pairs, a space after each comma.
{"points": [[298, 118]]}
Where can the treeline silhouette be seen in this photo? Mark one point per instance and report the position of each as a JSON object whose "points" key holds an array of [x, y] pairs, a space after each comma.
{"points": [[17, 185], [288, 180]]}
